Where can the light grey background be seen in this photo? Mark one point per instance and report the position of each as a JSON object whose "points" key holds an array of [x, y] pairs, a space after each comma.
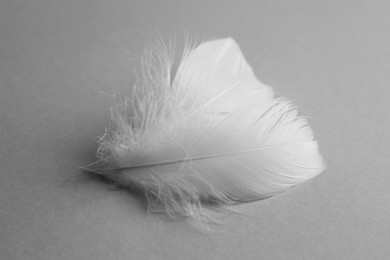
{"points": [[331, 57]]}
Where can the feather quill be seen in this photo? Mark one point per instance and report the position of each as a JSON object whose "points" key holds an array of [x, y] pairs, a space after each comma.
{"points": [[214, 133]]}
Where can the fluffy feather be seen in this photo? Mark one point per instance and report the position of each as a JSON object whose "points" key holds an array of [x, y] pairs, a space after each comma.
{"points": [[213, 134]]}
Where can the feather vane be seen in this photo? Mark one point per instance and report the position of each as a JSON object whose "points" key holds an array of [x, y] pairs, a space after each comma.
{"points": [[214, 133]]}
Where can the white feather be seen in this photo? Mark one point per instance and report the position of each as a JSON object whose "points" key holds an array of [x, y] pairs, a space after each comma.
{"points": [[213, 134]]}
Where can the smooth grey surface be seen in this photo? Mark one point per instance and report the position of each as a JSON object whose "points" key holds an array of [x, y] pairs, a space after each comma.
{"points": [[331, 57]]}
